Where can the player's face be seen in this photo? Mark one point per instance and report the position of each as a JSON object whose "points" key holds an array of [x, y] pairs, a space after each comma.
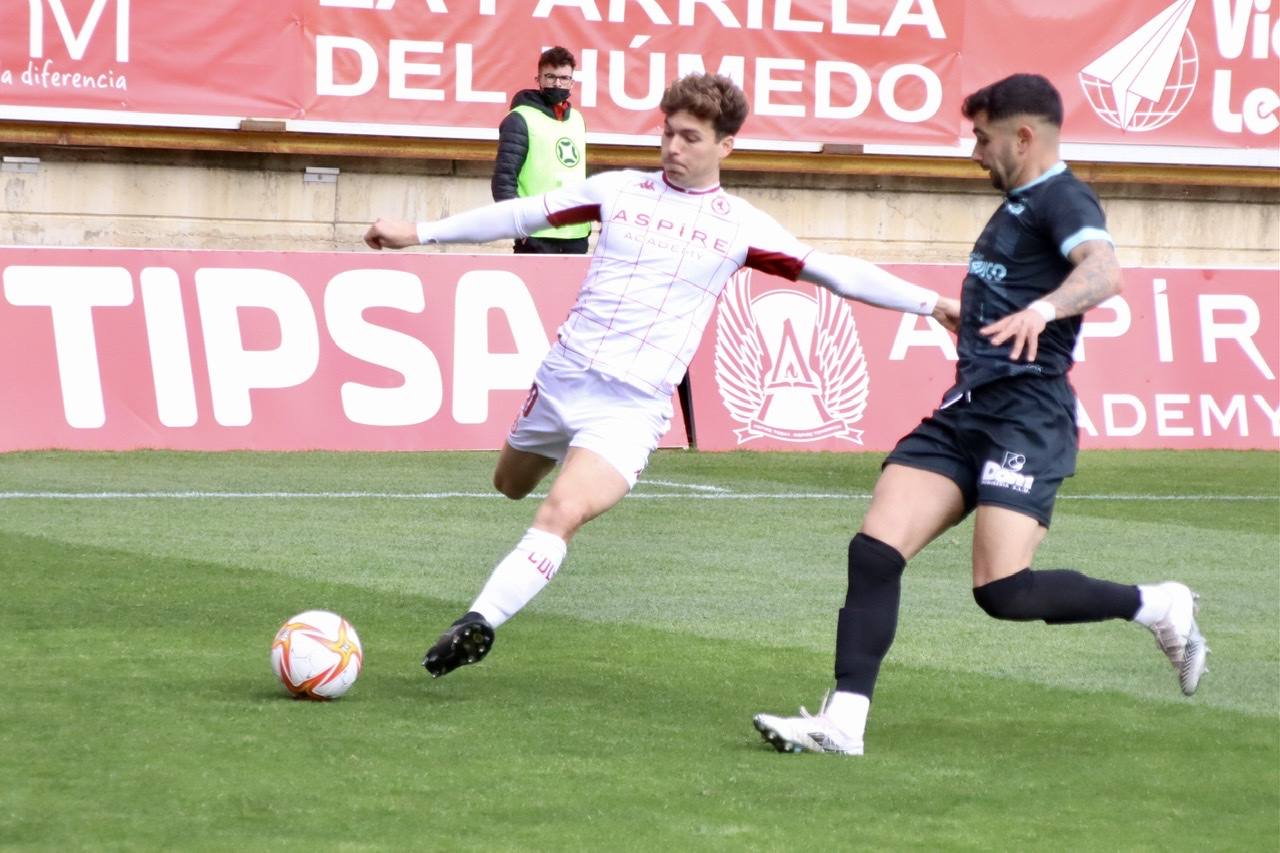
{"points": [[999, 149], [691, 154]]}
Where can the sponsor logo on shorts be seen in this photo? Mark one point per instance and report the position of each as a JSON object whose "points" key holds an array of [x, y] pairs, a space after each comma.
{"points": [[1014, 461], [1007, 475]]}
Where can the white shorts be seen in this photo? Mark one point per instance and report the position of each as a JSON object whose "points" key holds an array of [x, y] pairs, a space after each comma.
{"points": [[573, 406]]}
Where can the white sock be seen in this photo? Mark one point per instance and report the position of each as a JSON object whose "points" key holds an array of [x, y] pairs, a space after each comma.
{"points": [[849, 712], [520, 576], [1156, 601]]}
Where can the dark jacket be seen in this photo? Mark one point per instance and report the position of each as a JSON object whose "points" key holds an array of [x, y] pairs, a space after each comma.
{"points": [[513, 142]]}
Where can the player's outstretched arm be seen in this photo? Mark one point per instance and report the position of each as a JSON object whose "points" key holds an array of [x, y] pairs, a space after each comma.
{"points": [[854, 278], [391, 234], [1096, 278], [947, 313], [517, 217]]}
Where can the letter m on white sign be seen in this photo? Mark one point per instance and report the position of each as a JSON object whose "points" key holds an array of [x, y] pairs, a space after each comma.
{"points": [[76, 42]]}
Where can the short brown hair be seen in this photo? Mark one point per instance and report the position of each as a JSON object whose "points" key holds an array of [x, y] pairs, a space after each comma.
{"points": [[554, 57], [710, 97]]}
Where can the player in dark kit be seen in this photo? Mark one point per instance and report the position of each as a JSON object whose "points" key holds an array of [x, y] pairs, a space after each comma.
{"points": [[1004, 437]]}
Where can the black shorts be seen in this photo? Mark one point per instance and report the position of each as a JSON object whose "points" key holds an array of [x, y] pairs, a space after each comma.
{"points": [[1010, 443]]}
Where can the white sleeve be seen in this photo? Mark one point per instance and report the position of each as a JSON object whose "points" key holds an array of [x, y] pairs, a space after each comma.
{"points": [[854, 278], [520, 217], [515, 217]]}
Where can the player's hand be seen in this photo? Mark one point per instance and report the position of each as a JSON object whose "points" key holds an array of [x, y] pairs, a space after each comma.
{"points": [[391, 234], [947, 313], [1023, 328]]}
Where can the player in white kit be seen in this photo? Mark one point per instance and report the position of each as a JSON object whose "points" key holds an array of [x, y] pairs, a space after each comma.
{"points": [[601, 399]]}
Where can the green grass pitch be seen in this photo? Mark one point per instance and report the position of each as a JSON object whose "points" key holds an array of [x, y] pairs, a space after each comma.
{"points": [[138, 710]]}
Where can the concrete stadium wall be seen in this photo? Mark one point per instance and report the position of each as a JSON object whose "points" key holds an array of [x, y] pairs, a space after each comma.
{"points": [[125, 197]]}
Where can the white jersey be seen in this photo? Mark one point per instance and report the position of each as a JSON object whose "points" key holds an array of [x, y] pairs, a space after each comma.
{"points": [[662, 258]]}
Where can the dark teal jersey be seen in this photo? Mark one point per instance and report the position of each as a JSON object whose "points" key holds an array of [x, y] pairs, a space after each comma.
{"points": [[1020, 256]]}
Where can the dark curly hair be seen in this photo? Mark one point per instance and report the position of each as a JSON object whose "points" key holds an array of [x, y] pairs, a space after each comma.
{"points": [[710, 97], [1016, 95], [554, 57]]}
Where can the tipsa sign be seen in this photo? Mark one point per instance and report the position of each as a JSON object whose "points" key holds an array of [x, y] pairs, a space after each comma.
{"points": [[215, 350], [119, 348]]}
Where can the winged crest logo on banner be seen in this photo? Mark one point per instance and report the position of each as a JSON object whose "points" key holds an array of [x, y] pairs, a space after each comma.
{"points": [[789, 365]]}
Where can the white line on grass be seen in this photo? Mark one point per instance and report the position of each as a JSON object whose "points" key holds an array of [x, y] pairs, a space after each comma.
{"points": [[719, 495], [694, 486]]}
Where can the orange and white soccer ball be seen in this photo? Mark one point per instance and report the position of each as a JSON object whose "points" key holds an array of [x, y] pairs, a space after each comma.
{"points": [[317, 655]]}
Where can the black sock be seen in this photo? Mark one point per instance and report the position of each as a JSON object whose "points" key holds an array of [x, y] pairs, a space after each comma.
{"points": [[1058, 596], [869, 619]]}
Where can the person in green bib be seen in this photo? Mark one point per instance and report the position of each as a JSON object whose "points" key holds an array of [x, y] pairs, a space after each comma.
{"points": [[542, 145]]}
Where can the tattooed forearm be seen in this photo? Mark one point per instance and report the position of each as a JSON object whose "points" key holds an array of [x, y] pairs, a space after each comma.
{"points": [[1095, 279]]}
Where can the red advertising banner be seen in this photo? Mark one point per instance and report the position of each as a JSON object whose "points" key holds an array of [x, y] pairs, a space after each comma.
{"points": [[1148, 72], [1181, 359], [119, 349]]}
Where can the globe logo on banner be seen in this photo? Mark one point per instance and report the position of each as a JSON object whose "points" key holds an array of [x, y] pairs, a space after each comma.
{"points": [[1146, 80], [789, 366]]}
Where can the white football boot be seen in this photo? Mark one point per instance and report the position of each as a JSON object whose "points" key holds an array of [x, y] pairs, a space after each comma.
{"points": [[806, 733], [1178, 636]]}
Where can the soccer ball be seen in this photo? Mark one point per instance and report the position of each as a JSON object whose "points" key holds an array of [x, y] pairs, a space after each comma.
{"points": [[317, 655]]}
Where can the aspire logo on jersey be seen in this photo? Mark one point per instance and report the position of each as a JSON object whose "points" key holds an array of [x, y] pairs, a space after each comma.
{"points": [[675, 234]]}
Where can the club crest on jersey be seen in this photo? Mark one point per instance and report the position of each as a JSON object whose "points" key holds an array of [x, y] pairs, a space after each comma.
{"points": [[720, 205], [567, 151], [789, 366]]}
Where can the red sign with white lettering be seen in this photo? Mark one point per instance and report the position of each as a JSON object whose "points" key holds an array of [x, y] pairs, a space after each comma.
{"points": [[1144, 72], [118, 349], [1181, 359]]}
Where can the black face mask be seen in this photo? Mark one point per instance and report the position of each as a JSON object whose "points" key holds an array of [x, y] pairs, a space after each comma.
{"points": [[554, 96]]}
